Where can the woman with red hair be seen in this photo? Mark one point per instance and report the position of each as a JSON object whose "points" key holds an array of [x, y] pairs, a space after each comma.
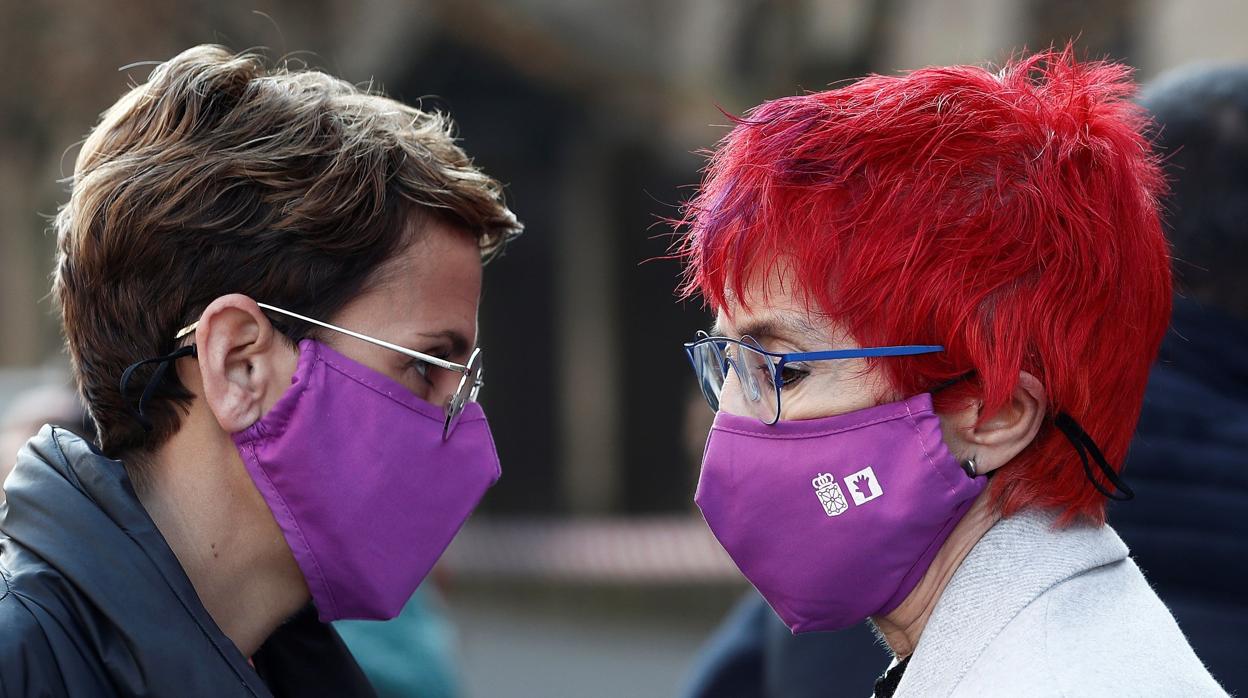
{"points": [[937, 297]]}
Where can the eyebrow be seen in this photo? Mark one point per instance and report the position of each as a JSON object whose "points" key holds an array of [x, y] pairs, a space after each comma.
{"points": [[459, 343], [792, 330]]}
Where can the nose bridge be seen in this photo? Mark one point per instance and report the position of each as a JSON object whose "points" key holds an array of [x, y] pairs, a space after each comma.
{"points": [[733, 397], [444, 382], [744, 361], [737, 390]]}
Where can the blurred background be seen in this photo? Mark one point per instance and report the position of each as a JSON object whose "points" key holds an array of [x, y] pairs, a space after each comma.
{"points": [[587, 571]]}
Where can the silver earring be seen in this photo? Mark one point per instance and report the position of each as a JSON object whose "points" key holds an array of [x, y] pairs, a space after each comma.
{"points": [[969, 466]]}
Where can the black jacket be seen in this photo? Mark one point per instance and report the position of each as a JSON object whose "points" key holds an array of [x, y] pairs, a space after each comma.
{"points": [[94, 603], [1188, 524]]}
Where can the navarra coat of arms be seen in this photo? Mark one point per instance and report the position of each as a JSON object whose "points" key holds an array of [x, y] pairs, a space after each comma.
{"points": [[830, 495]]}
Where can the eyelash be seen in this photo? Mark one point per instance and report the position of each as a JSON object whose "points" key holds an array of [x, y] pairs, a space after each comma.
{"points": [[795, 376], [420, 367]]}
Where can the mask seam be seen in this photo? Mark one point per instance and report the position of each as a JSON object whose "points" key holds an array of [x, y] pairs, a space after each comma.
{"points": [[381, 391], [498, 464], [913, 565], [812, 434], [919, 434], [927, 454], [298, 529], [952, 487]]}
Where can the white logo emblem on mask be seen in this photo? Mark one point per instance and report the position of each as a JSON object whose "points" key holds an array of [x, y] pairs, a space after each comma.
{"points": [[830, 495], [863, 486]]}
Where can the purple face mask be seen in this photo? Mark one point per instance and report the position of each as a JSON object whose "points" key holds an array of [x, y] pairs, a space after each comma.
{"points": [[834, 519], [366, 492]]}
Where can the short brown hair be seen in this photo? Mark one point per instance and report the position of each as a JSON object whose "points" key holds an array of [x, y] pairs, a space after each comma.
{"points": [[220, 175]]}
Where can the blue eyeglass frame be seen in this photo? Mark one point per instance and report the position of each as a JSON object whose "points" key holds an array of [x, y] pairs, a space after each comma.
{"points": [[780, 359]]}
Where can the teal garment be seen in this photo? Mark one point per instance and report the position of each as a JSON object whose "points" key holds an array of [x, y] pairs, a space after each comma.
{"points": [[411, 656]]}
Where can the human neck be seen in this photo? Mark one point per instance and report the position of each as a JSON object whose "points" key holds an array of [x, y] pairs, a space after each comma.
{"points": [[902, 627], [225, 538]]}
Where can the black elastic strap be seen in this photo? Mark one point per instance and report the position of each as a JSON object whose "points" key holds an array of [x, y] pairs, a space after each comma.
{"points": [[1084, 446], [162, 365], [950, 383]]}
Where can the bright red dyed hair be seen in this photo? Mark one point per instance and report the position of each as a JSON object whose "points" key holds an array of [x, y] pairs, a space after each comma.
{"points": [[1011, 216]]}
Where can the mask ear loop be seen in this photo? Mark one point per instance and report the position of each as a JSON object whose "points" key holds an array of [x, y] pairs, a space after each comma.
{"points": [[1085, 446], [162, 365]]}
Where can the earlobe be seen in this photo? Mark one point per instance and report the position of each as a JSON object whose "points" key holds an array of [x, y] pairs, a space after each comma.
{"points": [[236, 346]]}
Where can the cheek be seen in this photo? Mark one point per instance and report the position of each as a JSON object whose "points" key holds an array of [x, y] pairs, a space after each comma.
{"points": [[825, 403], [853, 388], [410, 378]]}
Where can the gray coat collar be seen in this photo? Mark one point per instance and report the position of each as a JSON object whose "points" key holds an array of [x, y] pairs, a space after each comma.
{"points": [[1015, 562]]}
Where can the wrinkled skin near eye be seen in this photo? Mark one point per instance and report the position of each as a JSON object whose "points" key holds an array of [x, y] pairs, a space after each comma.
{"points": [[778, 320]]}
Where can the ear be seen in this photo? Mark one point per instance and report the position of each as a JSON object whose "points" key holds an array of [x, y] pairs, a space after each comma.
{"points": [[244, 365], [994, 440]]}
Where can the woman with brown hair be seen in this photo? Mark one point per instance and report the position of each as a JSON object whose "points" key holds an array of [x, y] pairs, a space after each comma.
{"points": [[269, 283]]}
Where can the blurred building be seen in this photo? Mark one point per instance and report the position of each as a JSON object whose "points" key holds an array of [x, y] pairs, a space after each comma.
{"points": [[592, 113]]}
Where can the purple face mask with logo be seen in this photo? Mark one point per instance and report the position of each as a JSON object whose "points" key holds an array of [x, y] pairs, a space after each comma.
{"points": [[836, 519], [366, 491]]}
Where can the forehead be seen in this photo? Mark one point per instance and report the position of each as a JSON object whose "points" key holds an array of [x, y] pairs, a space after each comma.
{"points": [[770, 303], [441, 260], [433, 285]]}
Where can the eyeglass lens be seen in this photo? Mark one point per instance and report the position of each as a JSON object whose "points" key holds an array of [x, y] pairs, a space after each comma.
{"points": [[748, 390], [469, 387]]}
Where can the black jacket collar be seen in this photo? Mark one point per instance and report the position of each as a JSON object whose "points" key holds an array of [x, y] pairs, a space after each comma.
{"points": [[133, 605]]}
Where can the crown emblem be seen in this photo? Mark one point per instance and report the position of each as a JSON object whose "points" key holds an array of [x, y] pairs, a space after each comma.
{"points": [[830, 495]]}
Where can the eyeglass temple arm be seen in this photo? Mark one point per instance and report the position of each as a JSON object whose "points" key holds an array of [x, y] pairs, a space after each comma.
{"points": [[433, 360], [865, 353]]}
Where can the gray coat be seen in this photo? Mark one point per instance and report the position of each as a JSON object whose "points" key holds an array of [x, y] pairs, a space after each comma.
{"points": [[1037, 611]]}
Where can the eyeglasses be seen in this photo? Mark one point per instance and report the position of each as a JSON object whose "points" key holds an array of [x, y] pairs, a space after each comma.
{"points": [[760, 373], [470, 382]]}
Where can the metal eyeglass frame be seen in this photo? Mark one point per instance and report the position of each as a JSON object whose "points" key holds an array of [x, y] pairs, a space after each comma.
{"points": [[454, 407], [777, 361]]}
